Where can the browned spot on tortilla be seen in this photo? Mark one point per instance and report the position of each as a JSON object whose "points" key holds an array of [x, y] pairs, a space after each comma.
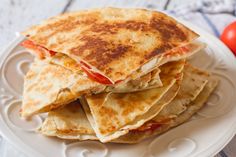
{"points": [[168, 29], [158, 50], [106, 28], [64, 25], [101, 52]]}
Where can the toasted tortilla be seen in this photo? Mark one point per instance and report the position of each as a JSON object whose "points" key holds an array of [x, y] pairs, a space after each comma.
{"points": [[49, 86], [66, 122], [69, 122], [112, 115], [173, 116], [58, 123], [112, 41], [147, 81], [176, 54]]}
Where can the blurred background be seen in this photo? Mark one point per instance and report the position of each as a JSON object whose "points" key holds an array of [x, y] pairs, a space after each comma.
{"points": [[16, 15]]}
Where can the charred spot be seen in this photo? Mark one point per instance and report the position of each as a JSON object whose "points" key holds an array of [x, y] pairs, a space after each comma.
{"points": [[65, 25], [168, 29], [159, 50], [115, 27], [100, 52]]}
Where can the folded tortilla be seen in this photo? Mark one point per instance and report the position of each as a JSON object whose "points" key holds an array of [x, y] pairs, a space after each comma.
{"points": [[158, 127], [112, 115], [113, 42], [188, 97], [49, 86], [69, 122]]}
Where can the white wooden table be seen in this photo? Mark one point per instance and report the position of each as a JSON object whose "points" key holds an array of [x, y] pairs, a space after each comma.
{"points": [[16, 15]]}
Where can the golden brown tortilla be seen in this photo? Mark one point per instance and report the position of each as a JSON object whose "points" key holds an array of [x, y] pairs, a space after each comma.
{"points": [[114, 41]]}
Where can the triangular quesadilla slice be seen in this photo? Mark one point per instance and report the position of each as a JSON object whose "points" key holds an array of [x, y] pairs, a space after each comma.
{"points": [[110, 43], [49, 86], [66, 122], [172, 115], [112, 114], [42, 93], [69, 122]]}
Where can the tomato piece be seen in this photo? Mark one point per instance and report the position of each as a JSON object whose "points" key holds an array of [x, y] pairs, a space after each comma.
{"points": [[86, 65], [184, 48], [39, 50], [96, 76], [229, 36], [30, 45]]}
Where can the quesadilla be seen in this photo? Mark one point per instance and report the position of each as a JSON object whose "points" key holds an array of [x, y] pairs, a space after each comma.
{"points": [[49, 86], [112, 115], [190, 98], [69, 122], [110, 44], [154, 127]]}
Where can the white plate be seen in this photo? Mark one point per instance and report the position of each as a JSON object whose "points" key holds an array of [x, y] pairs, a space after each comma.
{"points": [[204, 135]]}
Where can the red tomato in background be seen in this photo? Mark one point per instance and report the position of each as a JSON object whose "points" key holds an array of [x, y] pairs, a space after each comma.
{"points": [[229, 36]]}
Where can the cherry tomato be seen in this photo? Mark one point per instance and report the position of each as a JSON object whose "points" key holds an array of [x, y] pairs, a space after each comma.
{"points": [[229, 36]]}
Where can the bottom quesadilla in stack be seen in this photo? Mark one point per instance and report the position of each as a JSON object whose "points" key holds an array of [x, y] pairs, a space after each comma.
{"points": [[71, 122]]}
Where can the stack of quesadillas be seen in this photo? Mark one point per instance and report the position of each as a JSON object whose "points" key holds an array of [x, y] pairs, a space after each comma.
{"points": [[113, 75]]}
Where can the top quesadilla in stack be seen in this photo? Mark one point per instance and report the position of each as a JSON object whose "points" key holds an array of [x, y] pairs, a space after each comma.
{"points": [[110, 44]]}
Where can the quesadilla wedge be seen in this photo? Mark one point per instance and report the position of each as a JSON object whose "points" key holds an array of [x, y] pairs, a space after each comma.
{"points": [[157, 128], [109, 43], [66, 122], [42, 93], [49, 86], [112, 115], [69, 122], [187, 102]]}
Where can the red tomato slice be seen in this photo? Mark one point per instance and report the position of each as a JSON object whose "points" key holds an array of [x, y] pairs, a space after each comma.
{"points": [[184, 49], [96, 76], [39, 50], [229, 36], [86, 65]]}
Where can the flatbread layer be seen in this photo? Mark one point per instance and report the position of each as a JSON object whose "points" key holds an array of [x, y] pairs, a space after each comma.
{"points": [[115, 42], [48, 86], [178, 111], [159, 127], [112, 115], [69, 122]]}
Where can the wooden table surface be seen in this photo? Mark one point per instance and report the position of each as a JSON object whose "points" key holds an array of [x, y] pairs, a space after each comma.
{"points": [[16, 15]]}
